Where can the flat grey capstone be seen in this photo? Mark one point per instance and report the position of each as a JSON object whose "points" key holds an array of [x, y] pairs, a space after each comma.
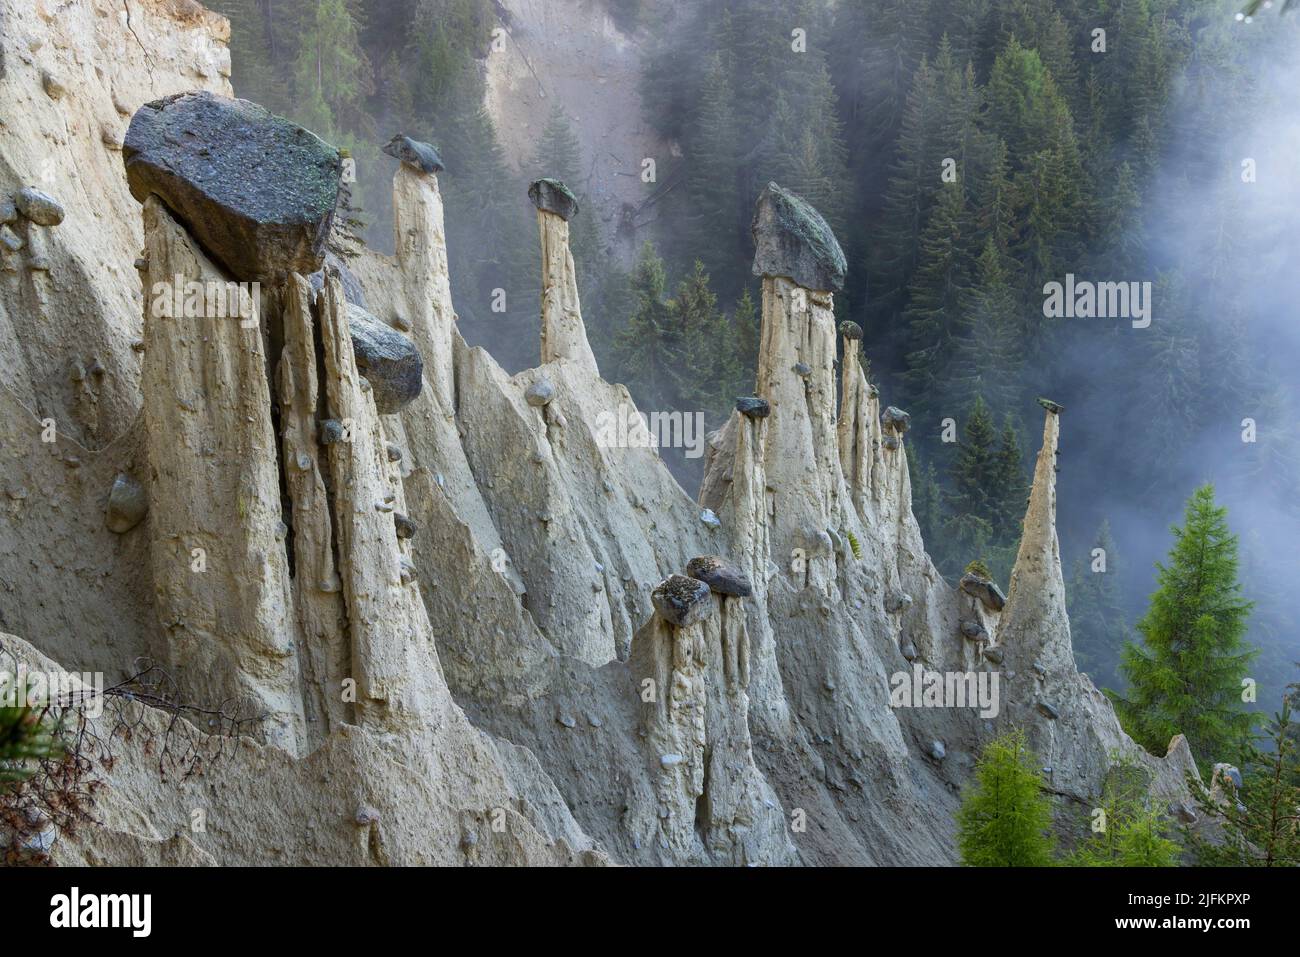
{"points": [[421, 156], [682, 601], [792, 239], [989, 594], [257, 191], [1053, 407], [720, 575], [895, 419], [553, 196]]}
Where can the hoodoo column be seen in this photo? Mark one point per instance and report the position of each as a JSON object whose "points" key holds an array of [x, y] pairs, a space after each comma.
{"points": [[801, 264], [563, 334]]}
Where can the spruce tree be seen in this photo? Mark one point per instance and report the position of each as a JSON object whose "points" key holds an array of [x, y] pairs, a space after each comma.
{"points": [[1010, 490], [960, 104], [1098, 624], [913, 181], [1186, 674], [1142, 841], [1019, 99], [644, 351], [970, 20], [994, 199], [974, 473], [892, 47], [927, 505], [1004, 818], [936, 296], [705, 375], [1126, 829], [558, 154], [1261, 822], [745, 335], [988, 353], [331, 74], [716, 214], [252, 68], [971, 516], [492, 243]]}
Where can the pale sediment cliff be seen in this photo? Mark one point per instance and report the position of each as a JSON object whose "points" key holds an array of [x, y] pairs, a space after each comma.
{"points": [[471, 620]]}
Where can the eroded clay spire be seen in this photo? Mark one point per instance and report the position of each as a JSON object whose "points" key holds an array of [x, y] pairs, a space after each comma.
{"points": [[221, 579], [563, 334], [422, 260], [1035, 610], [801, 264]]}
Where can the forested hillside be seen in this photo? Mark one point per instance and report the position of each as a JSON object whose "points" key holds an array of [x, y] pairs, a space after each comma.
{"points": [[967, 154]]}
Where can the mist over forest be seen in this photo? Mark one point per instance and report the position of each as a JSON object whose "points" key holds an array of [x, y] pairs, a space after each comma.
{"points": [[966, 153]]}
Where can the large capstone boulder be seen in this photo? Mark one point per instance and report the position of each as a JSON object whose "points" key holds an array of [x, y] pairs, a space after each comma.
{"points": [[682, 601], [987, 591], [895, 420], [751, 406], [850, 330], [414, 154], [791, 239], [255, 190], [553, 196], [1053, 407], [389, 360], [721, 576]]}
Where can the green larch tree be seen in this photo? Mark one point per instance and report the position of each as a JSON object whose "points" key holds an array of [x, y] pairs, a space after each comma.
{"points": [[1185, 676], [1005, 818]]}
